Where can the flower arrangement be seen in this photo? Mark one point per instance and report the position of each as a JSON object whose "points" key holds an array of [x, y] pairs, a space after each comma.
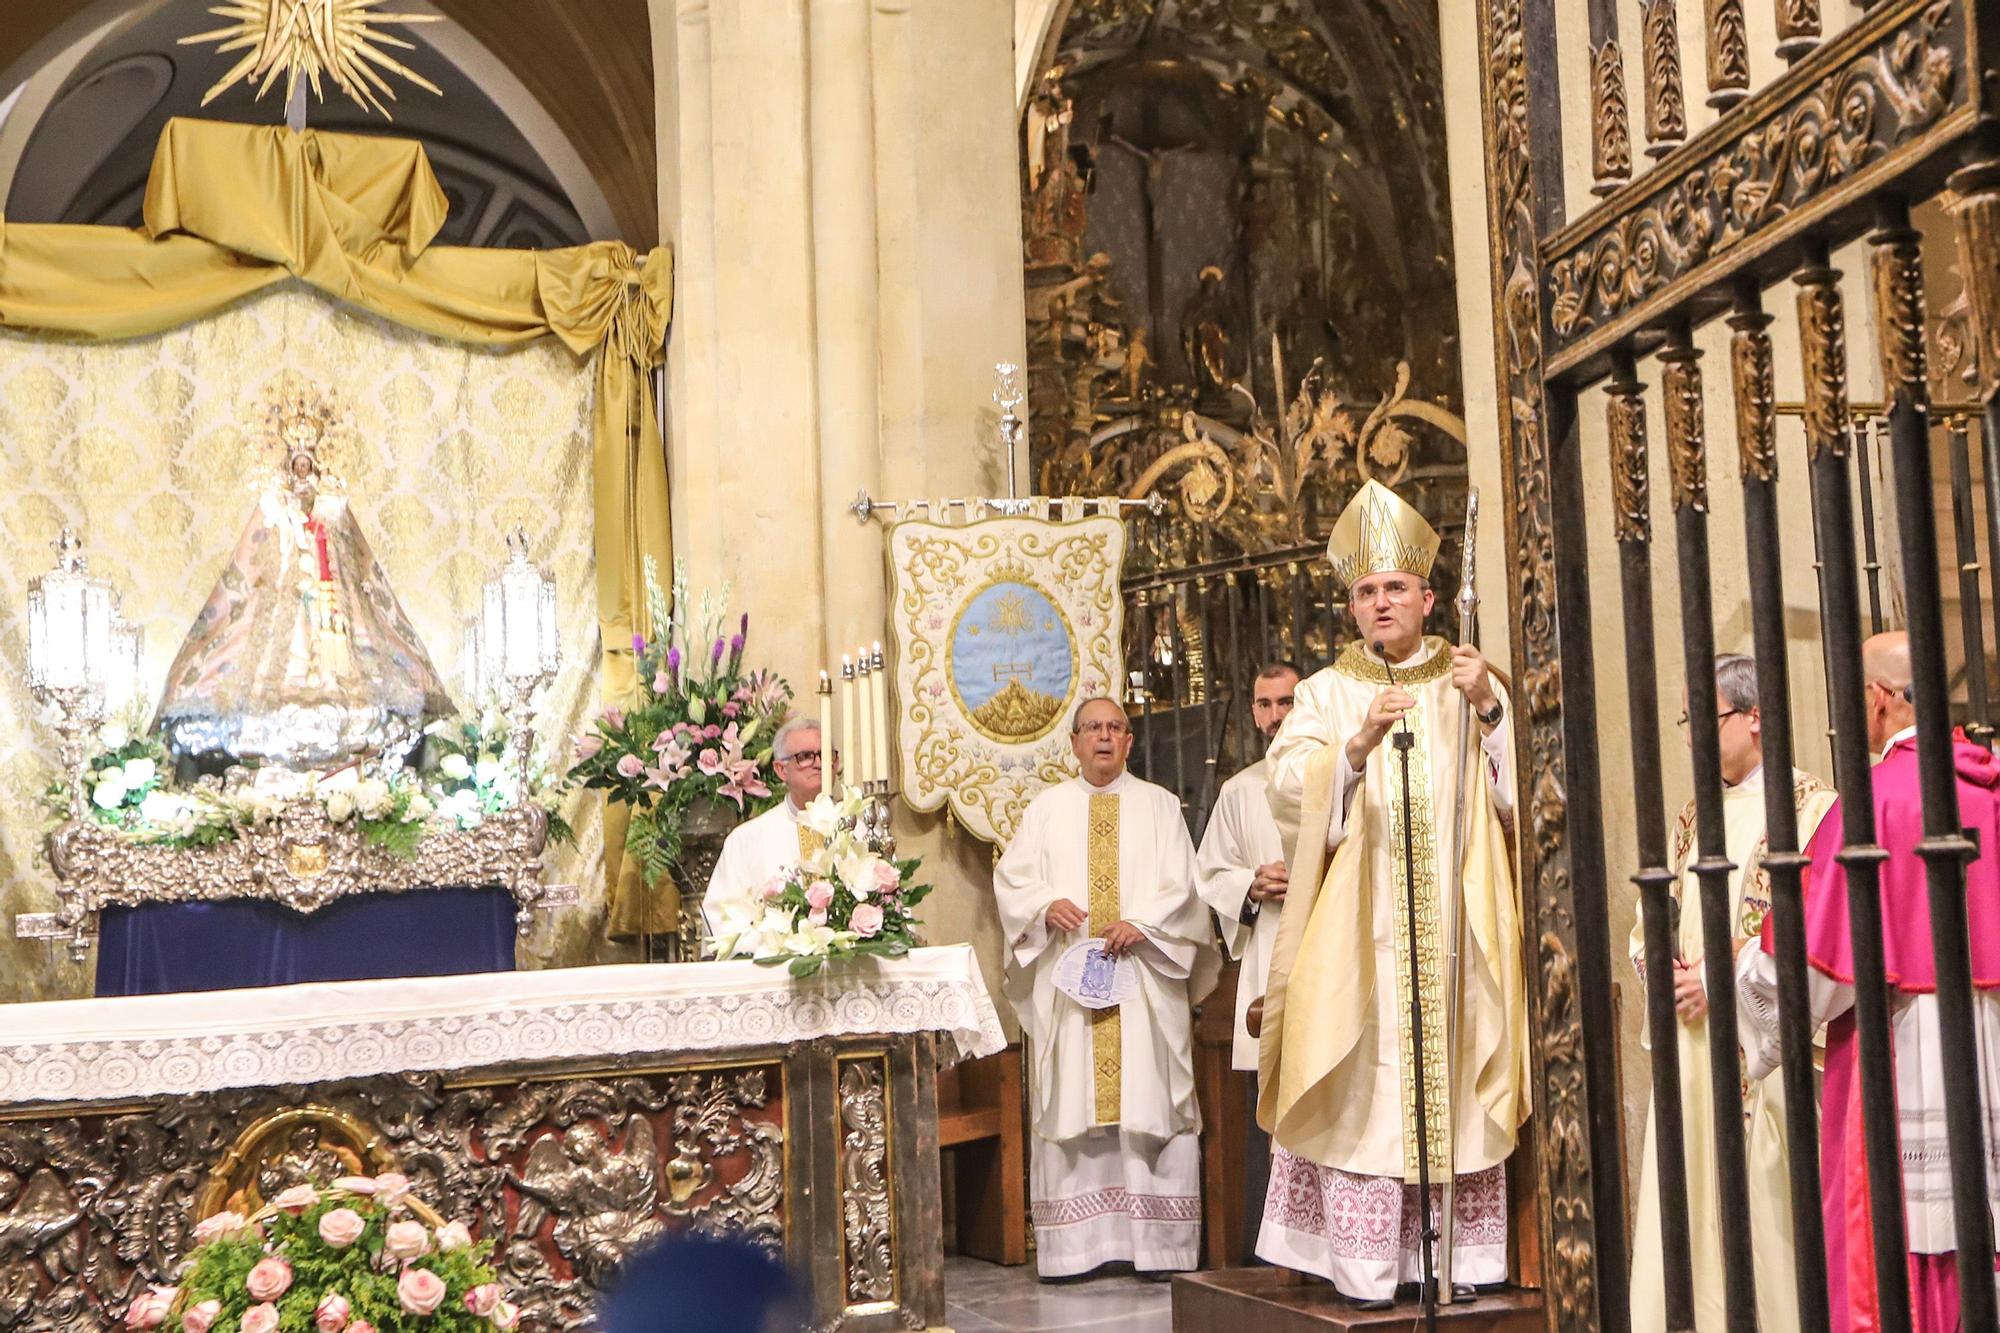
{"points": [[702, 729], [130, 790], [362, 1255], [842, 902]]}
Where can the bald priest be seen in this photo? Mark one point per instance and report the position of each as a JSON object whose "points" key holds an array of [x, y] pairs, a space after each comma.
{"points": [[1109, 951]]}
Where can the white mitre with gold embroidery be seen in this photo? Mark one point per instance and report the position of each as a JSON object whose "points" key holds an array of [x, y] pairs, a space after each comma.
{"points": [[1380, 533]]}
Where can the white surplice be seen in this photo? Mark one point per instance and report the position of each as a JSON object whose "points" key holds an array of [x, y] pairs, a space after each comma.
{"points": [[1115, 1171], [754, 851], [1764, 1099], [1241, 835]]}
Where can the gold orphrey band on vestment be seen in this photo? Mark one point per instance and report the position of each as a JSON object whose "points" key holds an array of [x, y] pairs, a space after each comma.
{"points": [[1107, 1030]]}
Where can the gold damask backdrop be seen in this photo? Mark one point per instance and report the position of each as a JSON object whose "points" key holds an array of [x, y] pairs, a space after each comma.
{"points": [[149, 448]]}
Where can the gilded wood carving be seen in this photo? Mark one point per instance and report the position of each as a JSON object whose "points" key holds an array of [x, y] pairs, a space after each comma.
{"points": [[1611, 132], [1795, 151], [1625, 424], [1823, 343], [1753, 382], [1660, 54]]}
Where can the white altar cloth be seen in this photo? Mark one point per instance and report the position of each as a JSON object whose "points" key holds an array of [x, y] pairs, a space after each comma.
{"points": [[164, 1045]]}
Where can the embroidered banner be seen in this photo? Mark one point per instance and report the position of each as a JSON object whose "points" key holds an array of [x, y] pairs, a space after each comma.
{"points": [[1001, 626]]}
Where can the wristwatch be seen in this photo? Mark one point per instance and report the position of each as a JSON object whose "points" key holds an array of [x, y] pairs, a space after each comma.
{"points": [[1492, 719]]}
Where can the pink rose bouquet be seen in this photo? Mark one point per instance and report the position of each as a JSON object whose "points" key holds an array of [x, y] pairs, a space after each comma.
{"points": [[845, 901], [361, 1254]]}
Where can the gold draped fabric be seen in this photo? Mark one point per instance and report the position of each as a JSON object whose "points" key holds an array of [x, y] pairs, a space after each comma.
{"points": [[231, 209]]}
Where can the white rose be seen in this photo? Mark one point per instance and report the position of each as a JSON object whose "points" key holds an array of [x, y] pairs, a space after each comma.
{"points": [[110, 790], [372, 798], [422, 807], [489, 771], [454, 767], [339, 807], [161, 808], [139, 772], [114, 735]]}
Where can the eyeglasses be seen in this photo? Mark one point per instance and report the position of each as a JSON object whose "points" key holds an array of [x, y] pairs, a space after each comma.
{"points": [[1719, 718], [804, 758], [1103, 729], [1393, 591]]}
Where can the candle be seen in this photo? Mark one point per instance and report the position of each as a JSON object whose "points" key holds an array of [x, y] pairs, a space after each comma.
{"points": [[881, 757], [864, 722], [847, 718], [826, 783]]}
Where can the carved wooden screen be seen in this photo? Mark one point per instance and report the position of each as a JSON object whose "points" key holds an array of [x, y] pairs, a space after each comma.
{"points": [[1873, 117]]}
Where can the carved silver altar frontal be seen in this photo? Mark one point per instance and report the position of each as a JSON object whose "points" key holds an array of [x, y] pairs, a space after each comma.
{"points": [[867, 1205], [300, 859]]}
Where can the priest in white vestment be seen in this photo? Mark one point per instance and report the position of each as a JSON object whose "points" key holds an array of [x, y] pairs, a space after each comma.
{"points": [[1243, 878], [1740, 729], [777, 840], [1115, 1162], [1336, 1038]]}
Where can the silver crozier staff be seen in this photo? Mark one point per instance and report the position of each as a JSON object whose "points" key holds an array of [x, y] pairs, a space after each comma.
{"points": [[1454, 907]]}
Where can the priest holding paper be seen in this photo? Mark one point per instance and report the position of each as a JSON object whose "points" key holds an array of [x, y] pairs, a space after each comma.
{"points": [[1109, 950], [1338, 1092], [777, 840]]}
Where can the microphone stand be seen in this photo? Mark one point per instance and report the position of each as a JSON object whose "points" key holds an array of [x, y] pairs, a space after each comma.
{"points": [[1404, 740]]}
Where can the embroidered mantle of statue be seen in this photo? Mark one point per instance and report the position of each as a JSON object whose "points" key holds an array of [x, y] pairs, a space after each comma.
{"points": [[301, 658]]}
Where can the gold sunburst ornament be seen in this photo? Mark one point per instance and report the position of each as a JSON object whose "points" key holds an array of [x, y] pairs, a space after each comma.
{"points": [[342, 39]]}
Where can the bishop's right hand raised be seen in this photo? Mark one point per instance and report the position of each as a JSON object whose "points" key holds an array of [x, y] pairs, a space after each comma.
{"points": [[1384, 711]]}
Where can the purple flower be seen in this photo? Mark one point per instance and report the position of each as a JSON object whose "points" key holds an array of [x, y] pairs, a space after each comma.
{"points": [[716, 656], [735, 644], [674, 661], [639, 644], [743, 626]]}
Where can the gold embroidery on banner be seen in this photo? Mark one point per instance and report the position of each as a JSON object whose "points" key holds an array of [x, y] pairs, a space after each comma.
{"points": [[1430, 955], [1107, 1031], [809, 842]]}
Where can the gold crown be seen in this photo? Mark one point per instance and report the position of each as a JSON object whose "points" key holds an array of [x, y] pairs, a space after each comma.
{"points": [[1377, 533]]}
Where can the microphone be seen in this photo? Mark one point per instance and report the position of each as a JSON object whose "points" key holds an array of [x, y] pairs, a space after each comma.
{"points": [[1403, 722]]}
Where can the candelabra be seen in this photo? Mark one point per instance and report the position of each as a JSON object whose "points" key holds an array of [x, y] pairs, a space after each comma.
{"points": [[70, 638], [517, 638]]}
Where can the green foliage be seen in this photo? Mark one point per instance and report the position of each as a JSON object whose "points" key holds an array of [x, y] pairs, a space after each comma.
{"points": [[392, 836], [361, 1272]]}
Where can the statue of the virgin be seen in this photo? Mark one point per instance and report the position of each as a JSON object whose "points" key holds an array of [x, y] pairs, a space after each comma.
{"points": [[301, 658]]}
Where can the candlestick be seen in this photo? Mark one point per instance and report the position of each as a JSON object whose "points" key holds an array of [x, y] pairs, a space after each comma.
{"points": [[846, 721], [880, 765], [826, 783], [864, 722]]}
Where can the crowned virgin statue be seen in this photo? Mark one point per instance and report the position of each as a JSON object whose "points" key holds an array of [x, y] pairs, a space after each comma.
{"points": [[301, 659]]}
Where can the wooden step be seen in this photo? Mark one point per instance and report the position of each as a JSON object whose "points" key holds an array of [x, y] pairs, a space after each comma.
{"points": [[1277, 1300]]}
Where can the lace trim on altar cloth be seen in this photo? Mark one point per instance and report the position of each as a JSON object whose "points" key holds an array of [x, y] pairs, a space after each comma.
{"points": [[178, 1044], [1116, 1199]]}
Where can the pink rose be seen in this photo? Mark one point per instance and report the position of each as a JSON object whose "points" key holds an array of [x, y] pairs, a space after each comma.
{"points": [[711, 731], [888, 879], [149, 1308], [631, 765], [771, 888], [218, 1226], [867, 918], [296, 1199], [392, 1187], [420, 1291], [260, 1319], [588, 744], [483, 1299], [341, 1227], [356, 1184], [453, 1236], [508, 1315], [270, 1279], [406, 1240], [818, 894], [817, 916], [200, 1318], [709, 762], [332, 1314], [361, 1326]]}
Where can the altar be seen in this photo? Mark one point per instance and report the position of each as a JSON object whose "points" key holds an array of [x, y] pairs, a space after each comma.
{"points": [[570, 1116]]}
